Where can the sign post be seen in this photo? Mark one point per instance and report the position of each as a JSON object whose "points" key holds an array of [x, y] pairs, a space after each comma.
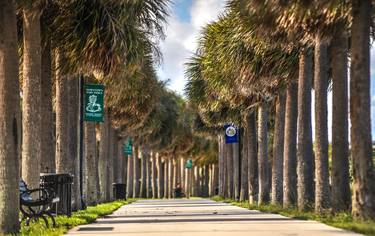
{"points": [[94, 103], [231, 133]]}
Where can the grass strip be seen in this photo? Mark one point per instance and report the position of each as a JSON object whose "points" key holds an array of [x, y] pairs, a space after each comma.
{"points": [[342, 220], [65, 223]]}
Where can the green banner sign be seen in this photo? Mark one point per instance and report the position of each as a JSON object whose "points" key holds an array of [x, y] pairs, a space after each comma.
{"points": [[94, 102], [128, 148], [189, 164]]}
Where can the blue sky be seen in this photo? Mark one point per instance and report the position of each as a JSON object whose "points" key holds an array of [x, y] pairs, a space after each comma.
{"points": [[186, 20]]}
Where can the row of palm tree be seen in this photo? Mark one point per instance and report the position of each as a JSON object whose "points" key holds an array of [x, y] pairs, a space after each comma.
{"points": [[45, 46], [256, 67]]}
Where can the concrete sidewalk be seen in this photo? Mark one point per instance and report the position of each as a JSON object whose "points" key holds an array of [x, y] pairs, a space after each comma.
{"points": [[198, 218]]}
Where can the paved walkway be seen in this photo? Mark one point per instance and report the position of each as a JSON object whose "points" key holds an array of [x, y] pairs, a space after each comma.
{"points": [[198, 218]]}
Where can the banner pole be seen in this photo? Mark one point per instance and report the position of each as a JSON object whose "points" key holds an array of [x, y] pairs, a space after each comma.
{"points": [[81, 130]]}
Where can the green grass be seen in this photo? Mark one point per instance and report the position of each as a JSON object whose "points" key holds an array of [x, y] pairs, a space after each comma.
{"points": [[65, 223], [341, 220]]}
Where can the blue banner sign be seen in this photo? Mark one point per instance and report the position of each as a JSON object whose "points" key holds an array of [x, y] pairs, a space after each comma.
{"points": [[231, 133]]}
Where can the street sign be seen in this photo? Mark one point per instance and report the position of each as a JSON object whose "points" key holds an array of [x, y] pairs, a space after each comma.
{"points": [[231, 133], [128, 148], [189, 164], [94, 103]]}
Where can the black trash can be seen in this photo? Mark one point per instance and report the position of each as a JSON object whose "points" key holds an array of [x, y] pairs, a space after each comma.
{"points": [[178, 192], [61, 184], [119, 191]]}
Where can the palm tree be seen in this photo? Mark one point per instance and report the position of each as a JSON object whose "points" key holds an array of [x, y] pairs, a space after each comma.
{"points": [[62, 134], [91, 167], [304, 137], [137, 169], [252, 157], [305, 170], [363, 205], [31, 94], [47, 151], [9, 118], [264, 181], [340, 179], [73, 112], [103, 157], [322, 188], [110, 160], [160, 177], [244, 166], [290, 150], [144, 160], [154, 174], [278, 152]]}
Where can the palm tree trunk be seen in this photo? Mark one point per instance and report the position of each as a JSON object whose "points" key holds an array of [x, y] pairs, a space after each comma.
{"points": [[31, 91], [322, 188], [117, 164], [210, 182], [216, 180], [166, 178], [290, 143], [360, 135], [264, 182], [206, 180], [244, 166], [122, 162], [62, 132], [137, 172], [170, 177], [174, 174], [236, 170], [305, 171], [9, 116], [148, 175], [160, 189], [340, 196], [103, 157], [73, 140], [130, 179], [278, 152], [252, 157], [178, 170], [112, 139], [196, 181], [154, 173], [47, 151], [143, 188], [91, 165]]}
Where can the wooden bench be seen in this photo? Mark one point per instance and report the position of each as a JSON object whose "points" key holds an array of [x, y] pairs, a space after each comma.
{"points": [[37, 203]]}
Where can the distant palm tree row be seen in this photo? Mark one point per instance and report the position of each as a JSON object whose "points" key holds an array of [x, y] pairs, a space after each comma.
{"points": [[256, 67], [45, 46]]}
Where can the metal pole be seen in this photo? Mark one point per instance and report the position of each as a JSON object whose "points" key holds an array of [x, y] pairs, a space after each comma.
{"points": [[81, 109]]}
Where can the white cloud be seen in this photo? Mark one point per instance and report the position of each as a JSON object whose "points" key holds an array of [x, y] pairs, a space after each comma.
{"points": [[181, 40]]}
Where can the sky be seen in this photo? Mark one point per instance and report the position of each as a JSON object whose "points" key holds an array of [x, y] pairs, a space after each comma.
{"points": [[182, 32]]}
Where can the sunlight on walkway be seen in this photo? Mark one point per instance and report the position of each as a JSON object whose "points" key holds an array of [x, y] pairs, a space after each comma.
{"points": [[199, 217]]}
